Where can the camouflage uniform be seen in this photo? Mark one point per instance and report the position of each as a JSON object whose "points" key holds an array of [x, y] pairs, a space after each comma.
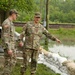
{"points": [[8, 41], [33, 34]]}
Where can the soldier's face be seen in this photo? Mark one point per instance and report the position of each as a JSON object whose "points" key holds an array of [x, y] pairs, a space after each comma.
{"points": [[14, 16], [37, 19]]}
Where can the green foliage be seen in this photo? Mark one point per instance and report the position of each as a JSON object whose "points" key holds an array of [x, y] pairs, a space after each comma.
{"points": [[62, 11], [25, 16], [18, 4]]}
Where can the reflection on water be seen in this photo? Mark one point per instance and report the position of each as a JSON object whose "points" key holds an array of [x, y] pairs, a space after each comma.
{"points": [[64, 50]]}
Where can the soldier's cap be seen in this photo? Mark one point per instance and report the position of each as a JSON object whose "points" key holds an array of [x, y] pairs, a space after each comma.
{"points": [[13, 11], [37, 14]]}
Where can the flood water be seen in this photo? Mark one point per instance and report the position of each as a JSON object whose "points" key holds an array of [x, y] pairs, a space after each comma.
{"points": [[64, 49]]}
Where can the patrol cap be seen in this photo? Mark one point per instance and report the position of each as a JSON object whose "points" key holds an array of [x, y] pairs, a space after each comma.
{"points": [[13, 11], [37, 14]]}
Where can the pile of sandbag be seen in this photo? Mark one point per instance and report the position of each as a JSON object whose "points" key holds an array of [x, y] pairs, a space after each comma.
{"points": [[63, 64], [56, 60], [70, 66]]}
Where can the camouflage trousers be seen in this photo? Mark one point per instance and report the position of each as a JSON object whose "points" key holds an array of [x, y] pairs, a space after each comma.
{"points": [[27, 54], [9, 63]]}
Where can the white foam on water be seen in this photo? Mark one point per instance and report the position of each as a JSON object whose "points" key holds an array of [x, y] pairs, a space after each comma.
{"points": [[66, 51]]}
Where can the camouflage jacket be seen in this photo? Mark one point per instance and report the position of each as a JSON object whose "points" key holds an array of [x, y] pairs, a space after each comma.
{"points": [[8, 36], [33, 34]]}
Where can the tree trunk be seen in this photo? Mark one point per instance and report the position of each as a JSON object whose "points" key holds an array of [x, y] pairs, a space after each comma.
{"points": [[47, 19]]}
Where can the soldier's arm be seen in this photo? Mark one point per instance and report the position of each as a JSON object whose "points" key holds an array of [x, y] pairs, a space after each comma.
{"points": [[22, 35], [45, 32], [5, 27]]}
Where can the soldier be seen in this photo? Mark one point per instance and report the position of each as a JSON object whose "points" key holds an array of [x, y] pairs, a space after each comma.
{"points": [[8, 41], [33, 32]]}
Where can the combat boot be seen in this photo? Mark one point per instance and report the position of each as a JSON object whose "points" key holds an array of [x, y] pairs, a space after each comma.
{"points": [[32, 74], [6, 72], [22, 73]]}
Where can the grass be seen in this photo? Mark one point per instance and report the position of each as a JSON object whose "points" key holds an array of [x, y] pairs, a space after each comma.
{"points": [[19, 29], [63, 32], [67, 36], [41, 70]]}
